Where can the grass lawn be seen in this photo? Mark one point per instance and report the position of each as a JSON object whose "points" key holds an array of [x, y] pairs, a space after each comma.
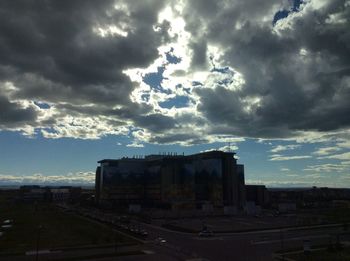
{"points": [[58, 229], [339, 215], [322, 255]]}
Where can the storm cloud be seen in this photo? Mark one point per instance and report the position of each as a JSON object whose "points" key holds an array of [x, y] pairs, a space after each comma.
{"points": [[260, 76], [298, 69]]}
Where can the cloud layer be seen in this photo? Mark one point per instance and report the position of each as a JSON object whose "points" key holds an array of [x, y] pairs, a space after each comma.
{"points": [[175, 72], [79, 178]]}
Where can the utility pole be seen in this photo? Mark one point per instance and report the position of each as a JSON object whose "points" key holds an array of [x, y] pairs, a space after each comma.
{"points": [[37, 243]]}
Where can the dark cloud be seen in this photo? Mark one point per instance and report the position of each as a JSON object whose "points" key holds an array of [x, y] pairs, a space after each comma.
{"points": [[199, 56], [170, 137], [296, 71], [51, 52], [13, 115], [300, 71], [155, 122]]}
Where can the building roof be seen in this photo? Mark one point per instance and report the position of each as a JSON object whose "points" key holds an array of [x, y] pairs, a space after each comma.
{"points": [[171, 155]]}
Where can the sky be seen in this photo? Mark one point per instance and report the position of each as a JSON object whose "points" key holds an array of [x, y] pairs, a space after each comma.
{"points": [[86, 80]]}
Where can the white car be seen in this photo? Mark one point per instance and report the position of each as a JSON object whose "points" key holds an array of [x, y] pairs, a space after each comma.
{"points": [[160, 240]]}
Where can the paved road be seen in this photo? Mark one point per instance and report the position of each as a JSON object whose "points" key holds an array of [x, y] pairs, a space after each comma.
{"points": [[258, 245]]}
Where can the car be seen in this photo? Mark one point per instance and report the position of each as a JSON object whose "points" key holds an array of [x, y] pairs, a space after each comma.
{"points": [[206, 233], [142, 233], [123, 226], [160, 240]]}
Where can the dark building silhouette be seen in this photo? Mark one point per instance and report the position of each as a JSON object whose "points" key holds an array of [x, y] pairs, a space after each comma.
{"points": [[172, 181], [309, 197], [257, 194]]}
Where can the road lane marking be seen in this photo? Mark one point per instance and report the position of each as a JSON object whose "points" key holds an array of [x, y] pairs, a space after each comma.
{"points": [[244, 223], [148, 252], [286, 239], [208, 238]]}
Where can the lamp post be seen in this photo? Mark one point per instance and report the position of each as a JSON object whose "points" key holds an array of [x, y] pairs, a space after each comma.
{"points": [[282, 243], [115, 241], [37, 243]]}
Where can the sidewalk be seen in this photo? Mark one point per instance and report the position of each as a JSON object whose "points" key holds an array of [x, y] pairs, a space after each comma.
{"points": [[76, 253]]}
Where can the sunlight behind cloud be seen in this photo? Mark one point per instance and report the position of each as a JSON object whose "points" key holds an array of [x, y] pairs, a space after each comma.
{"points": [[110, 30]]}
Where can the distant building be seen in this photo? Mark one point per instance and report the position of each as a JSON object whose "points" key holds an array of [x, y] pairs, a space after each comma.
{"points": [[30, 193], [65, 193], [308, 197], [287, 207], [257, 194], [172, 181]]}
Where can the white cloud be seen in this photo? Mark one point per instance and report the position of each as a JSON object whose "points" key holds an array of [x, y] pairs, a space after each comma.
{"points": [[345, 163], [80, 127], [135, 145], [326, 151], [226, 138], [341, 156], [110, 30], [284, 183], [277, 157], [344, 144], [327, 168], [284, 169], [284, 147], [78, 178], [226, 148], [229, 148]]}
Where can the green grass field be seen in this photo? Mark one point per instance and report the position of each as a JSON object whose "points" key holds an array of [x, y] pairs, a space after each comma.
{"points": [[323, 255], [58, 229]]}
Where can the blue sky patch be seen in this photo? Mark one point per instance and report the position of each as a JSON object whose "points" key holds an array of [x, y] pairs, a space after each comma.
{"points": [[48, 130], [195, 83], [177, 102], [172, 58], [154, 80], [225, 82], [42, 105], [284, 13], [296, 5], [145, 97], [221, 70], [280, 15]]}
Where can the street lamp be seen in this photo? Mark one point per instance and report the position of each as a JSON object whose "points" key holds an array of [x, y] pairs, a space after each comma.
{"points": [[282, 243], [37, 242], [115, 241]]}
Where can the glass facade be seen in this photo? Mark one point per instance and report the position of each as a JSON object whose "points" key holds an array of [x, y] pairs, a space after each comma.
{"points": [[171, 180], [208, 180], [123, 180]]}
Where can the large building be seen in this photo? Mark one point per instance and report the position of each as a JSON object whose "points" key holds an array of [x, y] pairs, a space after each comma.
{"points": [[172, 181]]}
